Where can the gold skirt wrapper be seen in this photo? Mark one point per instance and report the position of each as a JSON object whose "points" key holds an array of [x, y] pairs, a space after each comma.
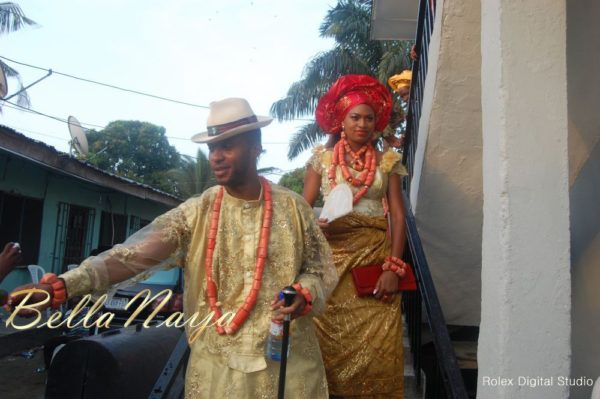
{"points": [[360, 338]]}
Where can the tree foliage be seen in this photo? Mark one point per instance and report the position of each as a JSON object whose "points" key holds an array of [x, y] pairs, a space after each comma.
{"points": [[348, 23], [137, 150], [12, 18], [294, 180]]}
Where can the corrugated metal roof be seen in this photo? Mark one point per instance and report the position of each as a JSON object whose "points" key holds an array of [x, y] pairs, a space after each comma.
{"points": [[47, 156]]}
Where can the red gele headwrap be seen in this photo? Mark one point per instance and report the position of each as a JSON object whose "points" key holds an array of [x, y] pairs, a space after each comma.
{"points": [[348, 92]]}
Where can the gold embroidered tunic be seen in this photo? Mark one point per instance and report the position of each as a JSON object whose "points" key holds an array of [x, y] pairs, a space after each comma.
{"points": [[232, 366], [361, 338]]}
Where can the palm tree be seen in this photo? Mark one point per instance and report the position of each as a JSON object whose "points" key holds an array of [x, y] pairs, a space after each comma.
{"points": [[12, 19], [194, 176], [348, 24]]}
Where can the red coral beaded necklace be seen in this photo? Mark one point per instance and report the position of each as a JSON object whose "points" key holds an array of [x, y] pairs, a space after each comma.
{"points": [[357, 162], [365, 179], [211, 287]]}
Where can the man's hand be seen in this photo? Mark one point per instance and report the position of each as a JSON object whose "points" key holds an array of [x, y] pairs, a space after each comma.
{"points": [[413, 52], [15, 298], [9, 257], [295, 309]]}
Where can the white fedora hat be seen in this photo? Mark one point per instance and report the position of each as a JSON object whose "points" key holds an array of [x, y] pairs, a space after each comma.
{"points": [[229, 117]]}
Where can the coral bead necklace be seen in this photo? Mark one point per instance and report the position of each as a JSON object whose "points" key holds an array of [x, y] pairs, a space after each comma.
{"points": [[365, 179], [211, 287], [357, 162]]}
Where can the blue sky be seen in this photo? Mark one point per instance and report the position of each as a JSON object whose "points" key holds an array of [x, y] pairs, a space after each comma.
{"points": [[193, 51]]}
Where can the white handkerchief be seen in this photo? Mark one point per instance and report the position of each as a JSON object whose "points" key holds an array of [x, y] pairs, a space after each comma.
{"points": [[338, 203]]}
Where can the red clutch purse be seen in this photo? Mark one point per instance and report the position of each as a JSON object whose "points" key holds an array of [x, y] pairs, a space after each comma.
{"points": [[366, 277]]}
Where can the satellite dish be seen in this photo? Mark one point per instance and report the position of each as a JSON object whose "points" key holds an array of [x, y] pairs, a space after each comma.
{"points": [[79, 141], [3, 84]]}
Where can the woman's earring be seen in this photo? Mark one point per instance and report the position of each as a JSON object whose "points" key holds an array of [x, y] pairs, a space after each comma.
{"points": [[343, 134]]}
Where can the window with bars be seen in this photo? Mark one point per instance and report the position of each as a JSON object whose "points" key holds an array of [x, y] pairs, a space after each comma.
{"points": [[21, 221], [73, 240], [113, 229], [136, 223]]}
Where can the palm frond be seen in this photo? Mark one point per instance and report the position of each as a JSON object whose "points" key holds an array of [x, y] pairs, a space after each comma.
{"points": [[269, 170], [23, 97], [10, 72], [306, 137], [395, 59], [318, 76], [348, 23], [203, 171], [193, 176], [327, 67], [299, 101], [354, 52], [12, 18]]}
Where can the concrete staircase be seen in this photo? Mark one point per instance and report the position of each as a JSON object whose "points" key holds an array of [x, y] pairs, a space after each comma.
{"points": [[464, 341], [410, 382]]}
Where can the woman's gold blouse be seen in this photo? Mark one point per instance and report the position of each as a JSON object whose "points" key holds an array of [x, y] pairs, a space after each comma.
{"points": [[370, 204]]}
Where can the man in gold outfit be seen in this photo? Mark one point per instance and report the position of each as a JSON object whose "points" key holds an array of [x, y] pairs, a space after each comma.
{"points": [[239, 243]]}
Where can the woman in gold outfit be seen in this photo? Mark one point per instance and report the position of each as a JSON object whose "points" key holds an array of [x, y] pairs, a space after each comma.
{"points": [[361, 337]]}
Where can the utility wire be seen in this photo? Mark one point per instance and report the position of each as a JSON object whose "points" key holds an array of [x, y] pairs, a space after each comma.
{"points": [[122, 88], [20, 129], [106, 84], [276, 172], [30, 110]]}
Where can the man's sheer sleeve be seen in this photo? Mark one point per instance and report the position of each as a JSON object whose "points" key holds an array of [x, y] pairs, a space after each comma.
{"points": [[160, 245]]}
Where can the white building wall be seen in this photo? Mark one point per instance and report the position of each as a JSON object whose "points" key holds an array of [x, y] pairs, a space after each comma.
{"points": [[583, 80], [526, 282], [446, 191]]}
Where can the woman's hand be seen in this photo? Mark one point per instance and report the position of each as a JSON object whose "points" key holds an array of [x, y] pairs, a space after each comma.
{"points": [[387, 286], [295, 309], [323, 223]]}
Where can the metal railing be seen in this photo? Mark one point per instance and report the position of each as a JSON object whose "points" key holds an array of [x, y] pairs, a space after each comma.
{"points": [[446, 366], [446, 379], [419, 73]]}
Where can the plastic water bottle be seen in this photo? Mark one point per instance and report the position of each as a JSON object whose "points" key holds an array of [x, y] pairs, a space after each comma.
{"points": [[276, 329], [274, 341]]}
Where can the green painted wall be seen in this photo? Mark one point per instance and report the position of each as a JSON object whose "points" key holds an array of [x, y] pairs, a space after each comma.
{"points": [[25, 178]]}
